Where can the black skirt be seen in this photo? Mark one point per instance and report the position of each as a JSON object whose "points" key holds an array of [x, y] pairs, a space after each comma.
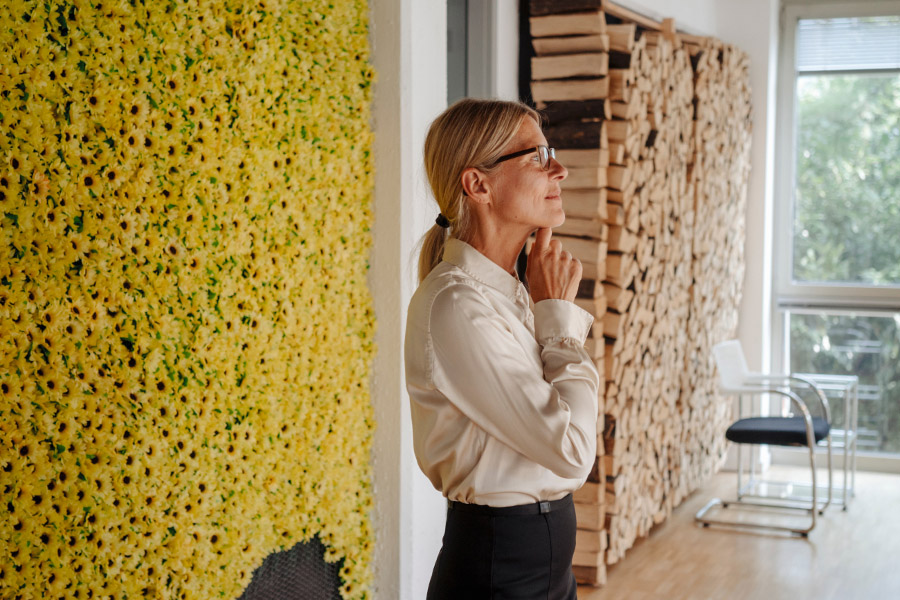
{"points": [[522, 552]]}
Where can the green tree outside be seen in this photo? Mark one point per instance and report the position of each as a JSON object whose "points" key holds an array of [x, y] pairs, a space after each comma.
{"points": [[846, 229]]}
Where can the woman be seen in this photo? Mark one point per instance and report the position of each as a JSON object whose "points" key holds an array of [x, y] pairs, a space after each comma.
{"points": [[504, 397]]}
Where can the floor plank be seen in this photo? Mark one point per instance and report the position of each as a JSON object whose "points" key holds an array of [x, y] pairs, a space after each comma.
{"points": [[849, 555]]}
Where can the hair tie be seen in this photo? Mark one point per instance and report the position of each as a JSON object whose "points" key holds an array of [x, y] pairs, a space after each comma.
{"points": [[442, 221]]}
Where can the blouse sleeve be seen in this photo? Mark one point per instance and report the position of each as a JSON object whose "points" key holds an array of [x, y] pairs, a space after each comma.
{"points": [[547, 414]]}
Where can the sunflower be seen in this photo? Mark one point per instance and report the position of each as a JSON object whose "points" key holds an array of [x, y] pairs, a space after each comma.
{"points": [[40, 185]]}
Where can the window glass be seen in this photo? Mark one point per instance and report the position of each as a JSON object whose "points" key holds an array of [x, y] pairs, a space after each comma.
{"points": [[846, 217], [865, 346]]}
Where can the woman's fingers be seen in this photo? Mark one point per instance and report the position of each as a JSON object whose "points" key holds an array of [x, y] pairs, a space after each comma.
{"points": [[542, 238], [552, 271]]}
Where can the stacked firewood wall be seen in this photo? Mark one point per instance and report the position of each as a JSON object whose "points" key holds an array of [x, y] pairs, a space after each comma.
{"points": [[653, 127], [719, 171]]}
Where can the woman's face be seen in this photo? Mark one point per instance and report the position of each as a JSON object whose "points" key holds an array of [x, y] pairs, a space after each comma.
{"points": [[523, 193]]}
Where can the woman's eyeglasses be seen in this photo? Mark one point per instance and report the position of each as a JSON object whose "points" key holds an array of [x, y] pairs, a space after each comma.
{"points": [[544, 153]]}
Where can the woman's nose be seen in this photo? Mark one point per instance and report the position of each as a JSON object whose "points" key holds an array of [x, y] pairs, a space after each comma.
{"points": [[557, 170]]}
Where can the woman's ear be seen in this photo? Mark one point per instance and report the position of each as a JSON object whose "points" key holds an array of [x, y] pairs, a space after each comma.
{"points": [[475, 185]]}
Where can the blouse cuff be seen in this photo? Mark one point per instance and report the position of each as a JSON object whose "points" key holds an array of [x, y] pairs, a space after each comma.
{"points": [[556, 319]]}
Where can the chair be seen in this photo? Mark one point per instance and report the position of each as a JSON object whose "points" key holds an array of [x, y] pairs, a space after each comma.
{"points": [[801, 429]]}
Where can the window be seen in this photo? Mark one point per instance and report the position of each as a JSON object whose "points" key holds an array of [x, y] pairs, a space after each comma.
{"points": [[837, 247], [457, 50]]}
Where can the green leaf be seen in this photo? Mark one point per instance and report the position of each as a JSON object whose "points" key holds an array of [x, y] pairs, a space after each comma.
{"points": [[61, 19]]}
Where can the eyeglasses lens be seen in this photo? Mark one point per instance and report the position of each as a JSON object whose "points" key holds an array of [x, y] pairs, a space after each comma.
{"points": [[544, 153]]}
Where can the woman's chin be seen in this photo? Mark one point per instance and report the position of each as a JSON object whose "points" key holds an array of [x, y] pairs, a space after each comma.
{"points": [[558, 218]]}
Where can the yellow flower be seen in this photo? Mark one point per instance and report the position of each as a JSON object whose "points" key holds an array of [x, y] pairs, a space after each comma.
{"points": [[40, 185]]}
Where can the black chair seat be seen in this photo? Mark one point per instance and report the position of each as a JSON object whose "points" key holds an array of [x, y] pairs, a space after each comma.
{"points": [[775, 431]]}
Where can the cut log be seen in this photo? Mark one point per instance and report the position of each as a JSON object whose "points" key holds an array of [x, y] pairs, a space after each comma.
{"points": [[593, 346], [617, 299], [589, 288], [589, 228], [589, 493], [594, 157], [590, 516], [621, 37], [570, 44], [594, 64], [619, 131], [575, 110], [621, 240], [620, 269], [577, 135], [615, 214], [588, 252], [617, 153], [589, 559], [613, 324], [569, 89], [584, 177], [597, 307], [589, 541], [619, 177], [580, 23], [626, 110], [589, 575], [585, 203]]}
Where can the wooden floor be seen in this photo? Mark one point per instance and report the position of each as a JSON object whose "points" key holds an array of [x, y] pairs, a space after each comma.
{"points": [[849, 555]]}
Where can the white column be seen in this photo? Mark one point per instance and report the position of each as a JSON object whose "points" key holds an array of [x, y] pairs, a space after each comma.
{"points": [[409, 40]]}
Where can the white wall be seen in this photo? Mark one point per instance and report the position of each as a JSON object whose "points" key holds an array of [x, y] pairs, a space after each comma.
{"points": [[409, 42], [753, 27]]}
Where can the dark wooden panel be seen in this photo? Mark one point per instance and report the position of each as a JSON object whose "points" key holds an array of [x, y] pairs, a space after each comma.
{"points": [[572, 110], [574, 135], [551, 7]]}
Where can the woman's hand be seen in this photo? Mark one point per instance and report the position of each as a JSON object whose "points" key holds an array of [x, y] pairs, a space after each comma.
{"points": [[552, 272]]}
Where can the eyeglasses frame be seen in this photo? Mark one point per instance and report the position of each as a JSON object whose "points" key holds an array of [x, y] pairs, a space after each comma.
{"points": [[551, 153]]}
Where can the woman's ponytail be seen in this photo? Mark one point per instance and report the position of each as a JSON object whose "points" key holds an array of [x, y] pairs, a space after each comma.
{"points": [[432, 250]]}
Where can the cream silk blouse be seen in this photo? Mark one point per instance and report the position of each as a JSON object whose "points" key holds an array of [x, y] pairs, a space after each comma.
{"points": [[503, 394]]}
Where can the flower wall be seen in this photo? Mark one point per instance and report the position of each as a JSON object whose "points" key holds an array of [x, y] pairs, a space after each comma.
{"points": [[187, 334]]}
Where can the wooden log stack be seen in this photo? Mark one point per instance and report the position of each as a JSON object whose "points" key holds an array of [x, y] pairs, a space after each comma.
{"points": [[653, 127], [719, 170]]}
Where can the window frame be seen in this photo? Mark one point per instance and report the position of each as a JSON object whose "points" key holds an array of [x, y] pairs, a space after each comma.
{"points": [[789, 295]]}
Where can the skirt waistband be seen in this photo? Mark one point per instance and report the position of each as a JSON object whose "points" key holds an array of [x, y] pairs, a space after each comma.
{"points": [[537, 508]]}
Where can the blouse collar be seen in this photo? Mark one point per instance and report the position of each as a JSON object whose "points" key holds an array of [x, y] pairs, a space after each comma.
{"points": [[480, 267]]}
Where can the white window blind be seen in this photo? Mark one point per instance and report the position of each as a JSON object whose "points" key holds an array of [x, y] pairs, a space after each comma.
{"points": [[848, 44]]}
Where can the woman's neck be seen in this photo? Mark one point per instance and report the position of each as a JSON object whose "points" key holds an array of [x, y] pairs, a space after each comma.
{"points": [[501, 248]]}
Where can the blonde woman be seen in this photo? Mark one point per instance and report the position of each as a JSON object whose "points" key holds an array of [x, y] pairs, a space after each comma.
{"points": [[504, 397]]}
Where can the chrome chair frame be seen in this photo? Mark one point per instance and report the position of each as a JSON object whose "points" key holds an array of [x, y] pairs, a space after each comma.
{"points": [[746, 383]]}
